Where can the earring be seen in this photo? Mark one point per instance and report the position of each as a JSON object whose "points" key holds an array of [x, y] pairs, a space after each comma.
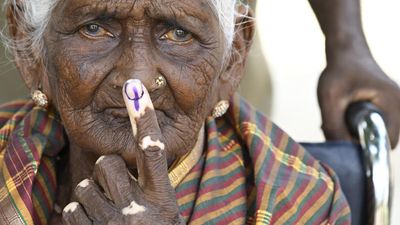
{"points": [[160, 82], [220, 109], [40, 99]]}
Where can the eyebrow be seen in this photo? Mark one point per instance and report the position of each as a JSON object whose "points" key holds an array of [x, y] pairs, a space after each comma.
{"points": [[180, 15], [90, 11], [172, 9]]}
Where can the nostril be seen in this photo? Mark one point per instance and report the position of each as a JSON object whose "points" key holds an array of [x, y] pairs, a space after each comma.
{"points": [[151, 79], [117, 80]]}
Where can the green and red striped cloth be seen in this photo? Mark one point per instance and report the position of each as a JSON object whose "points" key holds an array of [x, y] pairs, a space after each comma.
{"points": [[251, 172], [254, 173], [30, 139]]}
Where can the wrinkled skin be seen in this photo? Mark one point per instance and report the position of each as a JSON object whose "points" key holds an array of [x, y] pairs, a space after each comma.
{"points": [[92, 48], [88, 69], [146, 200]]}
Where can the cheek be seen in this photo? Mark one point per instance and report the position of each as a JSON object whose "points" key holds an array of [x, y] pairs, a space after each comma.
{"points": [[76, 76], [192, 83]]}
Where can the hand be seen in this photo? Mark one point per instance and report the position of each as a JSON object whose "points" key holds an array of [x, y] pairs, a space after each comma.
{"points": [[352, 79], [115, 197]]}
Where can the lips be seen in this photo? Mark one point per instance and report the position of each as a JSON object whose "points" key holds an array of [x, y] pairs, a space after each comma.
{"points": [[117, 112]]}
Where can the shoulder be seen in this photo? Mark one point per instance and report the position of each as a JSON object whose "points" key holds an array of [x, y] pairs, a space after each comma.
{"points": [[292, 186], [14, 110]]}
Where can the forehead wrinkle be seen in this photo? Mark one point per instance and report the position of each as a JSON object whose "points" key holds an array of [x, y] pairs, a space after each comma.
{"points": [[82, 7], [189, 8], [136, 8]]}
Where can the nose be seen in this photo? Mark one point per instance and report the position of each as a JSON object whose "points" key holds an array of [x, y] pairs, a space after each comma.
{"points": [[136, 63], [145, 75]]}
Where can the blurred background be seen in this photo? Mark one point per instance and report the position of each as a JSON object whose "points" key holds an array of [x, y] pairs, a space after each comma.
{"points": [[292, 52]]}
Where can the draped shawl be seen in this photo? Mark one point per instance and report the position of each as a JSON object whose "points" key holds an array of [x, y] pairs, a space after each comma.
{"points": [[250, 172]]}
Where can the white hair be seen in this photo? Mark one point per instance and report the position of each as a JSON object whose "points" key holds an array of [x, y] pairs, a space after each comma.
{"points": [[34, 16]]}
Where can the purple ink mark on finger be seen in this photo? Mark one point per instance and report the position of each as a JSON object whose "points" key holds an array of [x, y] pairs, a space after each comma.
{"points": [[136, 96], [136, 100]]}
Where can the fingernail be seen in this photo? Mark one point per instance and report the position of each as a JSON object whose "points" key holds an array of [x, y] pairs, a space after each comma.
{"points": [[133, 90], [100, 159], [84, 183], [136, 97], [71, 207]]}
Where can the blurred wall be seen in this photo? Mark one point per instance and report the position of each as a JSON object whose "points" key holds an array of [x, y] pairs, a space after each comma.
{"points": [[11, 85]]}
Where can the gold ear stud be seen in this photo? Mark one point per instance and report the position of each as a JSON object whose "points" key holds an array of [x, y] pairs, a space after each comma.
{"points": [[220, 109], [40, 99]]}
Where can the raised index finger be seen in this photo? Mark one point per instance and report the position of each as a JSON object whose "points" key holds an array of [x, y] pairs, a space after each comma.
{"points": [[151, 157]]}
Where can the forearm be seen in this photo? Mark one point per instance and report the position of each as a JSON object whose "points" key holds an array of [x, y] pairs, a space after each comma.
{"points": [[340, 21]]}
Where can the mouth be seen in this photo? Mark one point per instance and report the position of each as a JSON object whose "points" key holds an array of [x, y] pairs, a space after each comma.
{"points": [[119, 115], [117, 112]]}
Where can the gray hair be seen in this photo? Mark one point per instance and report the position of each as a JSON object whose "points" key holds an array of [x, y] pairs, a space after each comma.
{"points": [[34, 16]]}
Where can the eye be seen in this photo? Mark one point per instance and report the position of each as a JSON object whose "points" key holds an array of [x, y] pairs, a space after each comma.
{"points": [[178, 35], [95, 31]]}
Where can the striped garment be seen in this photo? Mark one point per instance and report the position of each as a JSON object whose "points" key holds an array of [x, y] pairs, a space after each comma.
{"points": [[30, 139], [253, 173], [250, 173]]}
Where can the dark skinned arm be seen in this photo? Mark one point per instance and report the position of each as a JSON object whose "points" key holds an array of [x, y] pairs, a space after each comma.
{"points": [[351, 73]]}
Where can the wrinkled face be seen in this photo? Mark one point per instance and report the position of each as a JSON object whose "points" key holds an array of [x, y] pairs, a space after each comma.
{"points": [[94, 46]]}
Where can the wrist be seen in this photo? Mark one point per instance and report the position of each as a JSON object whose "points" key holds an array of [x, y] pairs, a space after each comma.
{"points": [[346, 47]]}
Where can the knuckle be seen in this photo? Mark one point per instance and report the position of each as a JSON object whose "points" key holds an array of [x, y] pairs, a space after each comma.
{"points": [[106, 162], [85, 186], [84, 183], [330, 93], [146, 122], [152, 143], [133, 208], [70, 208]]}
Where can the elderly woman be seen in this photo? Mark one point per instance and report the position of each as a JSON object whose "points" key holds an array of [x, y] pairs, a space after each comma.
{"points": [[129, 121]]}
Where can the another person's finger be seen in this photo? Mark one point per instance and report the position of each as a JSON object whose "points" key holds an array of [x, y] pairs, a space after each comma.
{"points": [[73, 214], [94, 202], [111, 173], [333, 117], [393, 128], [152, 162], [391, 115]]}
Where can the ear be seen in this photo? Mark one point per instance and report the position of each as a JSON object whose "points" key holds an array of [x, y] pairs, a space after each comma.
{"points": [[243, 39], [29, 62]]}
